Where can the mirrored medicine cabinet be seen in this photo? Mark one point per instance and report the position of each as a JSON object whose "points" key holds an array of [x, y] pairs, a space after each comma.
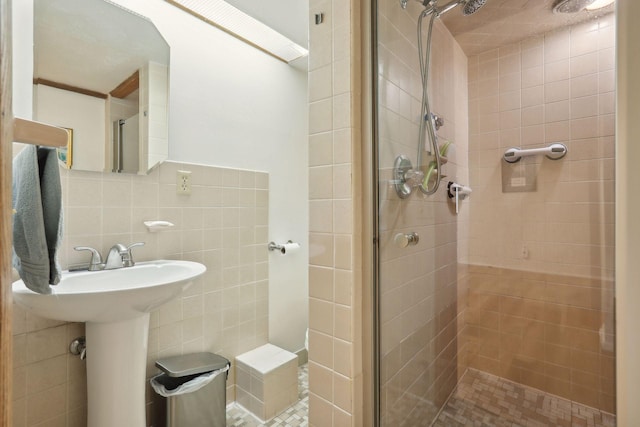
{"points": [[102, 71]]}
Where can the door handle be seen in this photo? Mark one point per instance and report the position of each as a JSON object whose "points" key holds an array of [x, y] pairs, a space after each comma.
{"points": [[403, 240]]}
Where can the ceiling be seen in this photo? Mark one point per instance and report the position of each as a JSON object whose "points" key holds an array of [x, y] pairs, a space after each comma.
{"points": [[288, 17], [502, 22], [497, 23]]}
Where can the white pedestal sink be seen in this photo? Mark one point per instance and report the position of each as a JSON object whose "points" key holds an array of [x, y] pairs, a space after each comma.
{"points": [[115, 304]]}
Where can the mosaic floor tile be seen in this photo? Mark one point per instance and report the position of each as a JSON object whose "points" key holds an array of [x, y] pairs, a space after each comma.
{"points": [[484, 400]]}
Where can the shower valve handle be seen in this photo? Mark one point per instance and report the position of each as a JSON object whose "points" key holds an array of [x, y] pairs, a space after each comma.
{"points": [[403, 240], [413, 178]]}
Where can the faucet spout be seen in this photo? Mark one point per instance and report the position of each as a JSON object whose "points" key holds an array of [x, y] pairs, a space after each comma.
{"points": [[116, 257]]}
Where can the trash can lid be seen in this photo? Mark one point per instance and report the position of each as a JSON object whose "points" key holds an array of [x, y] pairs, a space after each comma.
{"points": [[191, 364]]}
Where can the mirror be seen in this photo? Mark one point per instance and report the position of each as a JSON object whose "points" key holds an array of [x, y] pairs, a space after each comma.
{"points": [[103, 72]]}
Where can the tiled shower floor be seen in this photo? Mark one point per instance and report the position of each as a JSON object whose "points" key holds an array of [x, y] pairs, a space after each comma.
{"points": [[479, 400], [484, 400], [295, 416]]}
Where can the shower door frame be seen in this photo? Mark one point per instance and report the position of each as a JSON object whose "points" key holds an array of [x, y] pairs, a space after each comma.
{"points": [[370, 81]]}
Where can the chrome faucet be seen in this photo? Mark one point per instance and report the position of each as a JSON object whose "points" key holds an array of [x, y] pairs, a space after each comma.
{"points": [[116, 256], [119, 257]]}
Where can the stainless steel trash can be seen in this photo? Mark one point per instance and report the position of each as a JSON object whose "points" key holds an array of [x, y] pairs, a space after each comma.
{"points": [[204, 407]]}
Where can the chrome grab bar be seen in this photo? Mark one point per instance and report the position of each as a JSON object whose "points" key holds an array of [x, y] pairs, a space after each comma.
{"points": [[554, 152]]}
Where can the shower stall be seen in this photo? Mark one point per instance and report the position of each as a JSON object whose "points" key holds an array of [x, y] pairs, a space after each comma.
{"points": [[494, 294]]}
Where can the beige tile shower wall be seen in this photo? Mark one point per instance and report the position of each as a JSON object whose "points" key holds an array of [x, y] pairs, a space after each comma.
{"points": [[558, 87], [542, 313], [419, 296], [222, 224], [544, 330], [335, 371]]}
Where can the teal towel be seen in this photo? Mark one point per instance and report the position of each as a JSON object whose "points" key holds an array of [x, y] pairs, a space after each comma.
{"points": [[37, 223]]}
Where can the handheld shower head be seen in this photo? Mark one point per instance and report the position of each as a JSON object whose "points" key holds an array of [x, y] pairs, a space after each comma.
{"points": [[469, 7]]}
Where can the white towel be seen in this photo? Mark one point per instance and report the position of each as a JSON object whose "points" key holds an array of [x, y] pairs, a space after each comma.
{"points": [[37, 223]]}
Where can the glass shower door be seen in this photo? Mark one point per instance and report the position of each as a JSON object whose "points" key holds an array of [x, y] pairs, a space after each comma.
{"points": [[418, 233]]}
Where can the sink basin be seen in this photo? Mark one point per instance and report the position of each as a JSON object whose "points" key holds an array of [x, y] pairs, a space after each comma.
{"points": [[116, 306], [111, 295]]}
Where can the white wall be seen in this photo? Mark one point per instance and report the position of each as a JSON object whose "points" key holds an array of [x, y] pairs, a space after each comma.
{"points": [[82, 113], [232, 106]]}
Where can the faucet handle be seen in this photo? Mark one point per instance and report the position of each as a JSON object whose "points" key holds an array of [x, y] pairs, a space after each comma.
{"points": [[128, 258], [133, 245], [96, 259]]}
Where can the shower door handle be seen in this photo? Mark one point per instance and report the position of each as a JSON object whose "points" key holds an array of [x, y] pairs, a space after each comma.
{"points": [[403, 240]]}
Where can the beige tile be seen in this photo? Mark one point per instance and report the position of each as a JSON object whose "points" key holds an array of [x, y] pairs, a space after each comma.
{"points": [[585, 64], [342, 146], [533, 96], [606, 81], [322, 378], [46, 373], [558, 91], [342, 323], [321, 283], [343, 287], [533, 115], [510, 82], [46, 405], [509, 100], [341, 112], [488, 69], [320, 149], [489, 104], [557, 45], [320, 83], [584, 107], [532, 77], [342, 216], [489, 87], [342, 357], [321, 346], [46, 343], [584, 39], [342, 392], [532, 57], [19, 412], [584, 128], [584, 85], [321, 182], [557, 71], [19, 385], [319, 408], [342, 185], [320, 116], [343, 251], [342, 418], [321, 316], [557, 111], [321, 249]]}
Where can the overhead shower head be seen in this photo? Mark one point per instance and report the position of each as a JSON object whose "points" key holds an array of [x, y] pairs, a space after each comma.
{"points": [[469, 7], [570, 6]]}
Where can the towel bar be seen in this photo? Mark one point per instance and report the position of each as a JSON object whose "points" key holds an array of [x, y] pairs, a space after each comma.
{"points": [[36, 133]]}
